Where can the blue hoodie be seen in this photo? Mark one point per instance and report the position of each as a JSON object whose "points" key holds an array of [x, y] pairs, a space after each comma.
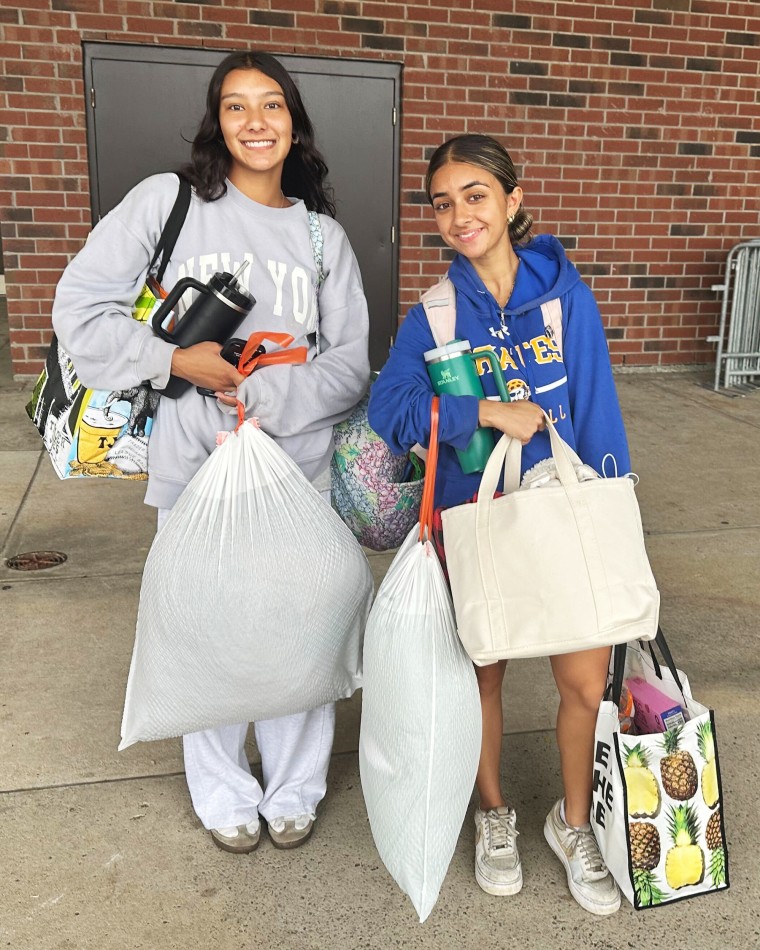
{"points": [[575, 387]]}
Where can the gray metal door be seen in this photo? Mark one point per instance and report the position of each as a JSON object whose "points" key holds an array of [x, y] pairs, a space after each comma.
{"points": [[144, 104]]}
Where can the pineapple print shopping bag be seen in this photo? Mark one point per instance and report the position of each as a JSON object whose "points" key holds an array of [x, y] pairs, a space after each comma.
{"points": [[657, 800]]}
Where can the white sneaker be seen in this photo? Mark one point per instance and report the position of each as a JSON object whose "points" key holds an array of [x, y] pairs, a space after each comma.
{"points": [[240, 840], [588, 878], [497, 864]]}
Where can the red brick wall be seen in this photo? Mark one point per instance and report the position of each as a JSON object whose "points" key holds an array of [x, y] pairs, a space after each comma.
{"points": [[634, 124]]}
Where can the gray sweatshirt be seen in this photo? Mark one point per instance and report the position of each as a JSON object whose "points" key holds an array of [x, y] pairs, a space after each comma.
{"points": [[296, 404]]}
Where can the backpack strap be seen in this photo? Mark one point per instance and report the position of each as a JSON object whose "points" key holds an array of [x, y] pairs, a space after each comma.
{"points": [[317, 242], [173, 226], [440, 308], [552, 313], [440, 304]]}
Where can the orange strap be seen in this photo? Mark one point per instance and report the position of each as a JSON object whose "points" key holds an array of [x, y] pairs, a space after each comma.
{"points": [[250, 358], [428, 492]]}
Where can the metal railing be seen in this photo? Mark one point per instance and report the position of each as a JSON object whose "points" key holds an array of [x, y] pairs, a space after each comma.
{"points": [[738, 354]]}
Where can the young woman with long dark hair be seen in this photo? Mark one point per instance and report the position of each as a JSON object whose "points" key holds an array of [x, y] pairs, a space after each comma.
{"points": [[256, 173]]}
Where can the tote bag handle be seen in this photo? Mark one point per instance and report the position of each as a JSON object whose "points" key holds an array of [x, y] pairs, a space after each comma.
{"points": [[508, 455], [428, 492], [618, 669]]}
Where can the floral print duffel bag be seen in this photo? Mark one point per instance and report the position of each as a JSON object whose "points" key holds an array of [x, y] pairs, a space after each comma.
{"points": [[376, 493]]}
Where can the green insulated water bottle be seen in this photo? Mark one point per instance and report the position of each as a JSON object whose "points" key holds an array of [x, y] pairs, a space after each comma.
{"points": [[452, 371]]}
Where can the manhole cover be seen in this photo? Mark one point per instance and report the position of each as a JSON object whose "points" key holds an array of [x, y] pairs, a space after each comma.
{"points": [[35, 560]]}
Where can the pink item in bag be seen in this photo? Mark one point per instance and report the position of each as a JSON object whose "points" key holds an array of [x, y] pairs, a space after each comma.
{"points": [[655, 711]]}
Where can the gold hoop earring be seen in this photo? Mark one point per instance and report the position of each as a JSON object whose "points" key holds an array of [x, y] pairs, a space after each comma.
{"points": [[511, 218]]}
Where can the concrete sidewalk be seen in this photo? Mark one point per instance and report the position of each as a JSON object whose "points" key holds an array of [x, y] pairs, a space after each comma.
{"points": [[101, 849]]}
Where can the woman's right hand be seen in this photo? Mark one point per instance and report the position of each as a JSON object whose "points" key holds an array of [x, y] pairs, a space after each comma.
{"points": [[520, 419], [202, 365]]}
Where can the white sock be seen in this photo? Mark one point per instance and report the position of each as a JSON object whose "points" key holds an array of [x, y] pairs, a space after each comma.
{"points": [[562, 816]]}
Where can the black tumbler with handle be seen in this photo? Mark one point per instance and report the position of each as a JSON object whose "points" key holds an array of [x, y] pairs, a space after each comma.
{"points": [[220, 307]]}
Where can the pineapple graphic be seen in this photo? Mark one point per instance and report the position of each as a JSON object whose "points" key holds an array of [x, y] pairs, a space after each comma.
{"points": [[642, 790], [714, 839], [645, 856], [685, 861], [706, 743], [679, 773]]}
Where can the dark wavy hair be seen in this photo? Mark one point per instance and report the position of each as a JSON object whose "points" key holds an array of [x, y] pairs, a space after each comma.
{"points": [[304, 172], [483, 152]]}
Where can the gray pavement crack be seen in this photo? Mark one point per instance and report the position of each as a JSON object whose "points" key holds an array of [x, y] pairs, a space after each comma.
{"points": [[22, 503]]}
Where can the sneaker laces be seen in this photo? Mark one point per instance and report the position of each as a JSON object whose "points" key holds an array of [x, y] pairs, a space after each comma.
{"points": [[583, 843], [500, 832]]}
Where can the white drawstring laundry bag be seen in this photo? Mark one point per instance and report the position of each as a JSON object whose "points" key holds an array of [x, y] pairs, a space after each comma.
{"points": [[253, 602], [421, 723]]}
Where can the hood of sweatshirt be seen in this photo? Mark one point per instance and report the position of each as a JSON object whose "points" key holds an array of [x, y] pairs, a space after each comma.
{"points": [[544, 273], [578, 395]]}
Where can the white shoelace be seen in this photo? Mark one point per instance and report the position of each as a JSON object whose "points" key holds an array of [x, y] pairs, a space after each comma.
{"points": [[500, 834], [584, 843]]}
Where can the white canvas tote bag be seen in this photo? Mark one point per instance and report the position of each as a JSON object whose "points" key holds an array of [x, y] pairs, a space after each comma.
{"points": [[552, 569]]}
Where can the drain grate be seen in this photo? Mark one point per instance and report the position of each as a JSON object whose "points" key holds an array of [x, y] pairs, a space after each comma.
{"points": [[35, 560]]}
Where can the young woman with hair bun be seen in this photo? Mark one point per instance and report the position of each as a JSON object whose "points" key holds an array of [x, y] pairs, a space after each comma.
{"points": [[501, 278]]}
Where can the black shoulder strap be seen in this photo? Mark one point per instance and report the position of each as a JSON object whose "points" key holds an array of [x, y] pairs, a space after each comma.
{"points": [[172, 228]]}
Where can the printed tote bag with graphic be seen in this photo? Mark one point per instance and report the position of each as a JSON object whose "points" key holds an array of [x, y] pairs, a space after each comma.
{"points": [[657, 802], [91, 432]]}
